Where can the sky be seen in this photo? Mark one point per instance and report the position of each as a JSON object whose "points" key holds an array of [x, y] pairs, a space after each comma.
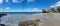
{"points": [[27, 5]]}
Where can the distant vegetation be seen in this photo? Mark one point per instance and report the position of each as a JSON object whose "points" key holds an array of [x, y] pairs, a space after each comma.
{"points": [[52, 10]]}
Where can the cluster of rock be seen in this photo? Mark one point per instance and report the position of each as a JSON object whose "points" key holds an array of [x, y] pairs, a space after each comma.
{"points": [[30, 23], [2, 15], [52, 10], [2, 24]]}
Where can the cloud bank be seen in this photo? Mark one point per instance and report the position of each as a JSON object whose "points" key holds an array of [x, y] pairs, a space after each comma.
{"points": [[1, 1], [7, 9], [56, 4]]}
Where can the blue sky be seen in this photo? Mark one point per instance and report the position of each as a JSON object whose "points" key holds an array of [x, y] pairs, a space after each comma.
{"points": [[27, 5]]}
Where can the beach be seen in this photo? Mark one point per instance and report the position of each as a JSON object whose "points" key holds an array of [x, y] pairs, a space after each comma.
{"points": [[47, 19]]}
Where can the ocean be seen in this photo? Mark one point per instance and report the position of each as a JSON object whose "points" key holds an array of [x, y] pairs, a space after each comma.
{"points": [[19, 12]]}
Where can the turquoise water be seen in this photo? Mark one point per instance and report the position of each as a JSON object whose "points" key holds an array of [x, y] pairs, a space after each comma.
{"points": [[19, 12]]}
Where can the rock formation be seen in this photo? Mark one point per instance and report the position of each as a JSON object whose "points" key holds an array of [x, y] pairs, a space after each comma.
{"points": [[52, 10], [44, 11], [2, 15], [2, 25], [30, 22]]}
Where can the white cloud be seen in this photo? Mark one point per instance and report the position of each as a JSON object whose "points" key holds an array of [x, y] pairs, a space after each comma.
{"points": [[17, 1], [22, 0], [36, 10], [31, 10], [7, 8], [14, 1], [52, 6], [30, 0], [1, 1], [56, 4], [0, 9], [7, 1]]}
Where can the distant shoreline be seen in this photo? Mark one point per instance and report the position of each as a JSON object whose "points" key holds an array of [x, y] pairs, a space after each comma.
{"points": [[19, 12]]}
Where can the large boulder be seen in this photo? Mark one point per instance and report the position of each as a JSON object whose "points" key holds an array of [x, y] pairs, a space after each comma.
{"points": [[2, 24], [30, 23], [2, 15]]}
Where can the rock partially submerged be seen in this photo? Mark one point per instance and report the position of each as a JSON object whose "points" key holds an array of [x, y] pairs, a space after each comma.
{"points": [[2, 15], [30, 23], [2, 24]]}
